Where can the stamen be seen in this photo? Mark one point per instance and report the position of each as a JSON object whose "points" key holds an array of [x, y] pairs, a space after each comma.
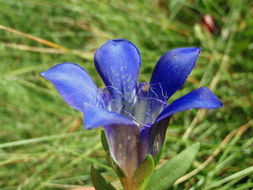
{"points": [[135, 122], [153, 92], [146, 87]]}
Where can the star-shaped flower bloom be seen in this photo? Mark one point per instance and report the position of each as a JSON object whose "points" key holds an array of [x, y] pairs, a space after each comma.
{"points": [[135, 116]]}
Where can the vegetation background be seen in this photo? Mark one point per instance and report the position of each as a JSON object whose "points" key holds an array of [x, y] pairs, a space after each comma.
{"points": [[43, 144]]}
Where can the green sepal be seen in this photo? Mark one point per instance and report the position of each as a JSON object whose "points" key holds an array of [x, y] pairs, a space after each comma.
{"points": [[109, 159], [164, 177], [99, 181], [143, 173], [104, 141], [114, 166], [159, 155]]}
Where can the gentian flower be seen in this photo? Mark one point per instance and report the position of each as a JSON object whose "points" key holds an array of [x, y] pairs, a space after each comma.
{"points": [[134, 116]]}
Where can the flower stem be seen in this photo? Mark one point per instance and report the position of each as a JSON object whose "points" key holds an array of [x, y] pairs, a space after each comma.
{"points": [[128, 184]]}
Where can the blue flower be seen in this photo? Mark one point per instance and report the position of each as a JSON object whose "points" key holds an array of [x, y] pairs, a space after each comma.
{"points": [[135, 116]]}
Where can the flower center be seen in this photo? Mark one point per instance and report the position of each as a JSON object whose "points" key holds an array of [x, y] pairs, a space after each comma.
{"points": [[142, 110]]}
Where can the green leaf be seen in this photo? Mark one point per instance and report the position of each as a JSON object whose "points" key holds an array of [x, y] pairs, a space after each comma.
{"points": [[143, 173], [99, 181], [104, 141], [164, 178]]}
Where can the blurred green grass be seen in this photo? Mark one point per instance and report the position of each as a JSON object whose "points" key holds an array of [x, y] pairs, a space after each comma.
{"points": [[37, 149]]}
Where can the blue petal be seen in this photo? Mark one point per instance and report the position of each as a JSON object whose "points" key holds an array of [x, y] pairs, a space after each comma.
{"points": [[97, 117], [118, 63], [74, 85], [200, 98], [171, 72]]}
